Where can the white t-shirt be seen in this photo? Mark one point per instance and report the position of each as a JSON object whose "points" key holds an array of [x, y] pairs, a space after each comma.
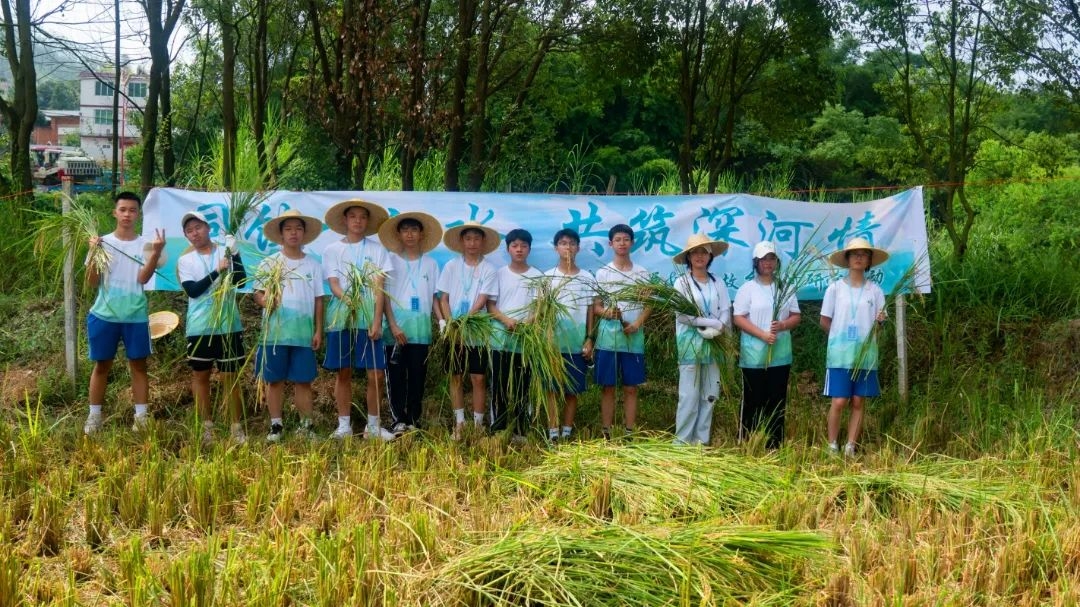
{"points": [[713, 302], [515, 293], [610, 336], [120, 296], [411, 288], [464, 284], [576, 293], [369, 257], [853, 312], [293, 322], [202, 317], [755, 301]]}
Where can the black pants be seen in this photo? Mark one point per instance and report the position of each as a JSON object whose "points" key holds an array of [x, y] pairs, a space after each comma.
{"points": [[510, 392], [764, 401], [406, 379]]}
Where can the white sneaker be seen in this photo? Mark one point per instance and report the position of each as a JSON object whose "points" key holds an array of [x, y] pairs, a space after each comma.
{"points": [[399, 428], [142, 423], [236, 431], [834, 449], [849, 450], [93, 423], [207, 434], [342, 433], [379, 434]]}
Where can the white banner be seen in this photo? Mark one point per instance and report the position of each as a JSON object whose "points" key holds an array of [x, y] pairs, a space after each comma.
{"points": [[661, 224]]}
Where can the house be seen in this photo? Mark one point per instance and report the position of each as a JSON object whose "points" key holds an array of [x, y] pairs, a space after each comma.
{"points": [[61, 123], [96, 112]]}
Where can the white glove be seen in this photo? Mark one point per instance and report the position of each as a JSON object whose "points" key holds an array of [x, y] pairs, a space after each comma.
{"points": [[708, 332], [442, 326], [713, 323], [230, 242]]}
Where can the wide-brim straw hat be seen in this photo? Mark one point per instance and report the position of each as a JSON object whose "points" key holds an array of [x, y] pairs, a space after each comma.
{"points": [[429, 238], [162, 323], [877, 256], [335, 216], [312, 226], [452, 237], [697, 241]]}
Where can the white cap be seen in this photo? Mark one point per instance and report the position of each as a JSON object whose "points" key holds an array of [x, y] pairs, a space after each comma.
{"points": [[193, 215], [763, 248]]}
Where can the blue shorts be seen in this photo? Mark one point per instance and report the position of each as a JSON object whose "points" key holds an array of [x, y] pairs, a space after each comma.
{"points": [[353, 349], [286, 363], [575, 375], [104, 336], [610, 366], [845, 383]]}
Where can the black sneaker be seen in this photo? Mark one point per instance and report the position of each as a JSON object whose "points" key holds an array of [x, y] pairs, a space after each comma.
{"points": [[276, 431]]}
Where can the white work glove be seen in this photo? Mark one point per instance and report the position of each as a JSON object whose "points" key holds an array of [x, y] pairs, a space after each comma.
{"points": [[442, 326], [230, 242], [712, 323], [708, 332]]}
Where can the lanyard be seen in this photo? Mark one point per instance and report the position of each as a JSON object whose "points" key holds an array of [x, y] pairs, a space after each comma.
{"points": [[468, 285], [855, 301], [706, 300], [412, 276]]}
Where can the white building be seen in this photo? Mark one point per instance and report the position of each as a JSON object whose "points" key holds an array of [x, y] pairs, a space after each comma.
{"points": [[96, 112]]}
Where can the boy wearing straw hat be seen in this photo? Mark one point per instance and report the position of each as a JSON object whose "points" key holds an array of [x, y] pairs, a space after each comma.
{"points": [[356, 268], [465, 284], [620, 342], [289, 288], [411, 302], [509, 307], [699, 374], [851, 307], [214, 333], [573, 288], [119, 312]]}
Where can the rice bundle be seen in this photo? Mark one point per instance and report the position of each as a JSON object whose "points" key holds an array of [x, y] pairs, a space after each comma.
{"points": [[69, 233], [656, 480], [905, 284], [704, 563], [271, 279], [793, 277], [540, 353], [474, 330], [365, 283]]}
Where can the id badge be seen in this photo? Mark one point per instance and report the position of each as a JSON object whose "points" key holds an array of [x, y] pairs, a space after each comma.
{"points": [[852, 333], [414, 304]]}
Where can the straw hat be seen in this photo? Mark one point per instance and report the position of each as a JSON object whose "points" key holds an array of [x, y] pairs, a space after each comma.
{"points": [[697, 241], [312, 226], [452, 237], [162, 323], [335, 216], [877, 256], [429, 237]]}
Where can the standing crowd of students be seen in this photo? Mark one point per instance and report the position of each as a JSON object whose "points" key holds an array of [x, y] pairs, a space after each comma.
{"points": [[375, 305]]}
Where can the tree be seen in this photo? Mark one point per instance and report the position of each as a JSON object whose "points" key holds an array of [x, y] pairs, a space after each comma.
{"points": [[940, 90], [21, 108], [162, 17]]}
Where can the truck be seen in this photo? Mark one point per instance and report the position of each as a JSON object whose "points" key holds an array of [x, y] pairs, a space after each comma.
{"points": [[55, 162]]}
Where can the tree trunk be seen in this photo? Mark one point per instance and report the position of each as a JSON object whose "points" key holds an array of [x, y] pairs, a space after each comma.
{"points": [[21, 112], [455, 148], [228, 95]]}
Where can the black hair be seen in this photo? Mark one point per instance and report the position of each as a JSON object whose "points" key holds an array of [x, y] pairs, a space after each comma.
{"points": [[566, 233], [621, 228], [472, 229], [356, 206], [409, 222], [686, 260], [518, 234], [128, 196]]}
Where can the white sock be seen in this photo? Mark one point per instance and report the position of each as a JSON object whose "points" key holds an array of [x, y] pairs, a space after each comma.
{"points": [[344, 422], [207, 424], [372, 421], [566, 430], [276, 421], [834, 446], [478, 418], [459, 416], [553, 433], [95, 409], [140, 410]]}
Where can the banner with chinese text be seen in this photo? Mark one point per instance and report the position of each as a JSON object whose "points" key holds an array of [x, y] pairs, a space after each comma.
{"points": [[662, 225]]}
